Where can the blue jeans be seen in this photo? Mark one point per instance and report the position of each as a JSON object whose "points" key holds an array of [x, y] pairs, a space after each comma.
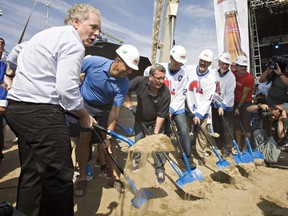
{"points": [[183, 131], [159, 158]]}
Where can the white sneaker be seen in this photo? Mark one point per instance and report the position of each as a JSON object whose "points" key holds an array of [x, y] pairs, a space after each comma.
{"points": [[161, 177]]}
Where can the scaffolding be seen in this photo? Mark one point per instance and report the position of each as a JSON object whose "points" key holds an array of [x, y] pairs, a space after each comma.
{"points": [[255, 49], [256, 61]]}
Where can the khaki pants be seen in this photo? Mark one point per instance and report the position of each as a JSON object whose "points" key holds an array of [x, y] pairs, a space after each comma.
{"points": [[202, 144]]}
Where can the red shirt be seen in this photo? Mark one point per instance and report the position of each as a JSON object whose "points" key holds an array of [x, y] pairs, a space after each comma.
{"points": [[246, 80]]}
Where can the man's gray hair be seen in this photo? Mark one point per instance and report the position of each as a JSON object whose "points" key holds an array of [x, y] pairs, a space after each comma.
{"points": [[157, 67], [80, 12]]}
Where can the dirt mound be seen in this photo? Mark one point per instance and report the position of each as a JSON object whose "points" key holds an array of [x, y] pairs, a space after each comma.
{"points": [[238, 190]]}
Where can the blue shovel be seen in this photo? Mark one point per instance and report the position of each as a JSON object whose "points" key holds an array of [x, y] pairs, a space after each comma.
{"points": [[195, 171], [127, 130], [254, 153], [221, 163], [140, 196], [238, 158], [185, 177]]}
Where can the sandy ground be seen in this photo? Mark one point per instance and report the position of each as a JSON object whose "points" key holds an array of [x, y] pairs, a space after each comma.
{"points": [[246, 189]]}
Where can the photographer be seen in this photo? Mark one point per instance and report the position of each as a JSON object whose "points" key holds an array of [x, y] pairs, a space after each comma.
{"points": [[275, 119], [277, 73]]}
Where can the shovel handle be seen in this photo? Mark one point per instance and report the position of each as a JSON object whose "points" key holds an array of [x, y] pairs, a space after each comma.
{"points": [[180, 146], [210, 142], [139, 120], [148, 132], [246, 138], [114, 134], [132, 185]]}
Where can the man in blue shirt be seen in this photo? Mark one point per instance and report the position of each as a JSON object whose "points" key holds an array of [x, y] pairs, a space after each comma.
{"points": [[104, 89], [3, 94]]}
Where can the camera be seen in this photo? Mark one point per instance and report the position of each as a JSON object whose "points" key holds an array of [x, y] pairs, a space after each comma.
{"points": [[260, 98], [272, 64], [270, 113], [281, 61]]}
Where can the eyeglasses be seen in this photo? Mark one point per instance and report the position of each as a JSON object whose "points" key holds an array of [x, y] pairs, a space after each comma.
{"points": [[242, 66], [159, 78]]}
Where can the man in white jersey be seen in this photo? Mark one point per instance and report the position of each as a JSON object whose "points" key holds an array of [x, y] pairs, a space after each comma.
{"points": [[200, 91], [176, 81], [46, 83], [223, 104]]}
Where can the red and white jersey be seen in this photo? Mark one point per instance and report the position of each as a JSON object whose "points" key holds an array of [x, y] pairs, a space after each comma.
{"points": [[225, 87], [200, 90]]}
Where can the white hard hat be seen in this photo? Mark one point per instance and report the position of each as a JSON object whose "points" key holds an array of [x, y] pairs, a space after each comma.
{"points": [[130, 55], [241, 60], [206, 55], [225, 58], [179, 54]]}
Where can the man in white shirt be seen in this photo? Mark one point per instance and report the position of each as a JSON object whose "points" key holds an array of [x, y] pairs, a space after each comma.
{"points": [[46, 83], [200, 91], [223, 105]]}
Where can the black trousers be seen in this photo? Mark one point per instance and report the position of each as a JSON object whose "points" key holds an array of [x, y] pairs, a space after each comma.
{"points": [[1, 137], [45, 182], [225, 140]]}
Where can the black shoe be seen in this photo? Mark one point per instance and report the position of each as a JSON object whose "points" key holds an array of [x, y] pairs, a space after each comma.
{"points": [[191, 162], [160, 177], [225, 155], [192, 165], [226, 152], [201, 161], [134, 166]]}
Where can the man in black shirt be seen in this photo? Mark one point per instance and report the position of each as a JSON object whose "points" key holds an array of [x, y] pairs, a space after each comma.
{"points": [[153, 101]]}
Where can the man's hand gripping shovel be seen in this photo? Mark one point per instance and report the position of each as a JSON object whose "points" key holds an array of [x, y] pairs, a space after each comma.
{"points": [[184, 177], [140, 196]]}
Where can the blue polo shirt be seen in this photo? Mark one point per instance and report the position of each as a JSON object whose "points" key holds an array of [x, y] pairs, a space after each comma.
{"points": [[3, 92], [98, 87]]}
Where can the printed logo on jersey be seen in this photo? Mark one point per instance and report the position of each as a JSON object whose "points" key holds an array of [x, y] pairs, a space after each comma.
{"points": [[169, 85], [180, 78], [194, 86], [194, 108], [218, 90]]}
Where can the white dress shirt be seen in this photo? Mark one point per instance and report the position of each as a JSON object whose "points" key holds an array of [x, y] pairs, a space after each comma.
{"points": [[48, 69]]}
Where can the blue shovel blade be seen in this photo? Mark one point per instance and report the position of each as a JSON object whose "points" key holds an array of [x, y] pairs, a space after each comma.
{"points": [[222, 164], [196, 173], [237, 158], [255, 153], [244, 158], [185, 179], [140, 197], [247, 158]]}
